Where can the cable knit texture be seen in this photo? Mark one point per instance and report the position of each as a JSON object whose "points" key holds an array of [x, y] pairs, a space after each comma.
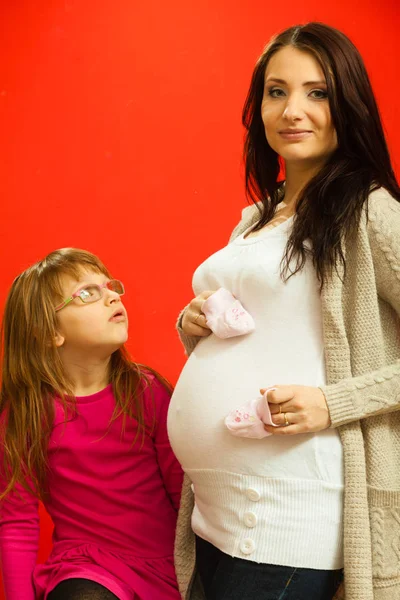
{"points": [[361, 315]]}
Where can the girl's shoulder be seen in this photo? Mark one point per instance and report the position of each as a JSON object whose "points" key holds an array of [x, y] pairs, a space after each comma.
{"points": [[154, 386], [155, 398]]}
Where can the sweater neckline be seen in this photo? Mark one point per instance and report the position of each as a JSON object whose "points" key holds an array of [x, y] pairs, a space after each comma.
{"points": [[278, 230]]}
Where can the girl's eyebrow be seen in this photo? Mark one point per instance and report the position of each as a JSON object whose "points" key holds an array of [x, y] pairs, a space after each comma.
{"points": [[306, 83], [85, 283]]}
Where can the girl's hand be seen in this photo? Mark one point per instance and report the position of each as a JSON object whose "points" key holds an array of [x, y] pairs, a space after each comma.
{"points": [[194, 321], [297, 409]]}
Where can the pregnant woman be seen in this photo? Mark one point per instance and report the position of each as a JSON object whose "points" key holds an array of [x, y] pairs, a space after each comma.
{"points": [[316, 262]]}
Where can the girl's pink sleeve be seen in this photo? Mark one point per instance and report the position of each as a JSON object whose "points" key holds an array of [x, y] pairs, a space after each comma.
{"points": [[19, 542], [170, 468]]}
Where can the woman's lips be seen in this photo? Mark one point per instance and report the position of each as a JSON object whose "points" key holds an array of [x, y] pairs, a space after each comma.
{"points": [[295, 135]]}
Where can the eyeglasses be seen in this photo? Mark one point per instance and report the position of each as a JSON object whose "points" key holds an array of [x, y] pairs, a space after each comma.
{"points": [[93, 292]]}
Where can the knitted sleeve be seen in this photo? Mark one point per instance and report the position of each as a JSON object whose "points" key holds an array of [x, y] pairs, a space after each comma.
{"points": [[377, 392], [189, 341]]}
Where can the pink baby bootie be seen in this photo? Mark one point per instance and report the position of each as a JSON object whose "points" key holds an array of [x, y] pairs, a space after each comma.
{"points": [[248, 421], [225, 315]]}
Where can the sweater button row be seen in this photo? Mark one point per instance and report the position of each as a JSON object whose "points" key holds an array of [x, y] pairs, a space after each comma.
{"points": [[250, 519], [247, 546], [253, 494]]}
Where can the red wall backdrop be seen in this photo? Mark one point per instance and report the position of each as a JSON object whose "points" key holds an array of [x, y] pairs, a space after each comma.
{"points": [[121, 134]]}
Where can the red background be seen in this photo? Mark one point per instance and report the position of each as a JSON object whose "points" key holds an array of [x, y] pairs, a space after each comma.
{"points": [[121, 134]]}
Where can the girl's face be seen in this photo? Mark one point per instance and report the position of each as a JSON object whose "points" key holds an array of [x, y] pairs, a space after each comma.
{"points": [[295, 109], [95, 329]]}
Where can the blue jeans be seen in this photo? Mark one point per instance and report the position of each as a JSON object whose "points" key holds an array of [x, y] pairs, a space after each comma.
{"points": [[227, 578]]}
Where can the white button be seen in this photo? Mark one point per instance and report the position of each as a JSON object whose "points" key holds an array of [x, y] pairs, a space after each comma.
{"points": [[250, 519], [253, 494], [247, 546]]}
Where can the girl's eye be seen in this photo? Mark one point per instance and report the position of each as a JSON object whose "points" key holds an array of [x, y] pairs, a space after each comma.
{"points": [[276, 93], [89, 291], [319, 94], [85, 294]]}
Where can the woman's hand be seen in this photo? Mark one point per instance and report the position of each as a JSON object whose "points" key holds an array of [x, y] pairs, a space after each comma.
{"points": [[194, 321], [297, 409]]}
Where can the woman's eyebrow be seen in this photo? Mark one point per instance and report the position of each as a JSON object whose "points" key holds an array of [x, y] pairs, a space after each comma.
{"points": [[306, 83]]}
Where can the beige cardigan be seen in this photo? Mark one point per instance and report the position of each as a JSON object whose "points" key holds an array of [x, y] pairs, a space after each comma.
{"points": [[362, 351]]}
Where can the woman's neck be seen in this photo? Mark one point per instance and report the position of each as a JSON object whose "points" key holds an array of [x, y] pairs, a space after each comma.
{"points": [[297, 177]]}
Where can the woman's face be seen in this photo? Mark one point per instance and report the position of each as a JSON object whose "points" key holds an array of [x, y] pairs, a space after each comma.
{"points": [[295, 109]]}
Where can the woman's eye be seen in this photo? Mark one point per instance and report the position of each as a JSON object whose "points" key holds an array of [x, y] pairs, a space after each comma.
{"points": [[319, 94], [276, 93]]}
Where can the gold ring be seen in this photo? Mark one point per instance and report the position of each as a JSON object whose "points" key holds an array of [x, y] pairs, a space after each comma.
{"points": [[286, 420], [199, 315]]}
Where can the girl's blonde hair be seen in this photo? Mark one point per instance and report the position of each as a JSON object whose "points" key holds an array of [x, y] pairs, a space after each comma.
{"points": [[33, 374]]}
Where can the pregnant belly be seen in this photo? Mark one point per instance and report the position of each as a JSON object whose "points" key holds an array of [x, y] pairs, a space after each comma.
{"points": [[204, 395], [196, 416]]}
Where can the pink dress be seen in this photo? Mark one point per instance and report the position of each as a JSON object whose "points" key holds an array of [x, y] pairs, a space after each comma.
{"points": [[113, 506]]}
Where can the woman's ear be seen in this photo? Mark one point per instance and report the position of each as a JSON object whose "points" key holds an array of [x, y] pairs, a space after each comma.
{"points": [[59, 340]]}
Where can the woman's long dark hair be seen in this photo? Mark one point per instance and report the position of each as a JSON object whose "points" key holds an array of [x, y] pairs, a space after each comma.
{"points": [[330, 205]]}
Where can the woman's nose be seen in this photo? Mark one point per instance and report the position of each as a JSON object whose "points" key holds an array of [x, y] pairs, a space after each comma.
{"points": [[293, 110]]}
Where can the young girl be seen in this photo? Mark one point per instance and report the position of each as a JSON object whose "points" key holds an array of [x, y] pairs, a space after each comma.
{"points": [[84, 430]]}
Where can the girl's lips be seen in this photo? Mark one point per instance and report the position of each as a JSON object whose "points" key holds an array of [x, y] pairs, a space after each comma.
{"points": [[118, 316]]}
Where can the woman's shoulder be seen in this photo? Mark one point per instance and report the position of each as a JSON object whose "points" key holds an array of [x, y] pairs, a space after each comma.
{"points": [[383, 230], [383, 221], [250, 214], [382, 206], [251, 210]]}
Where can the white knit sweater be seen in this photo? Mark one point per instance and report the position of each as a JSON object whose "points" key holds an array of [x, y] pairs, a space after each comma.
{"points": [[277, 500]]}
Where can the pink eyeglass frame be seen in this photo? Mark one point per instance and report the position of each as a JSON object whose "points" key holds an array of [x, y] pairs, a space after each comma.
{"points": [[77, 293]]}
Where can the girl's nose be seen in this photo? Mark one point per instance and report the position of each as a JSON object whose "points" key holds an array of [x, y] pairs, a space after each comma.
{"points": [[111, 297]]}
